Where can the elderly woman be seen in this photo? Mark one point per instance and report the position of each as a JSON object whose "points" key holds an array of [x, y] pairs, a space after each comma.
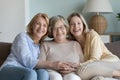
{"points": [[61, 49]]}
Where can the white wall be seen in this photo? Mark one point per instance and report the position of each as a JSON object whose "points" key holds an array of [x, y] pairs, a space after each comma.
{"points": [[12, 19]]}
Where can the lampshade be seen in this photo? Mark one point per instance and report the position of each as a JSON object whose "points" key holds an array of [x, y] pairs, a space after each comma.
{"points": [[102, 6], [98, 22]]}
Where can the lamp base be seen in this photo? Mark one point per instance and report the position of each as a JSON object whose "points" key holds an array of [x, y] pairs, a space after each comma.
{"points": [[98, 23]]}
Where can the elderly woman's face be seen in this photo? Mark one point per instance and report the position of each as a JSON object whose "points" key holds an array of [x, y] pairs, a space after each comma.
{"points": [[40, 27], [59, 31]]}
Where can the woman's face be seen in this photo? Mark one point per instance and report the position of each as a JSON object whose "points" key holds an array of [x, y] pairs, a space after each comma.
{"points": [[59, 31], [40, 27], [76, 26]]}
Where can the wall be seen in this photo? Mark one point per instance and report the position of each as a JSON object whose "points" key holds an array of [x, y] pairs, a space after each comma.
{"points": [[15, 14], [113, 22], [12, 19], [65, 7], [55, 7]]}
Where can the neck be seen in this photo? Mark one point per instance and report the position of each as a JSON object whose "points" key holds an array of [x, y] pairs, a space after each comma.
{"points": [[35, 39], [61, 41]]}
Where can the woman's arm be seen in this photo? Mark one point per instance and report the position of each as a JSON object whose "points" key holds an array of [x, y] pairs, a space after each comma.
{"points": [[95, 49], [98, 51], [21, 50], [55, 65]]}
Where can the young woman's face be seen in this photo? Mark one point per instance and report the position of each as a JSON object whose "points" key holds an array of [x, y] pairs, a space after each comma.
{"points": [[59, 31], [40, 27], [76, 26]]}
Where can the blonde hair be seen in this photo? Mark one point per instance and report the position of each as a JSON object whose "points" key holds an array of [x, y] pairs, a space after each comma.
{"points": [[85, 26], [53, 21], [30, 26]]}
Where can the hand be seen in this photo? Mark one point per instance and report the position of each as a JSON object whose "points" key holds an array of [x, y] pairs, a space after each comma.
{"points": [[72, 65], [59, 65], [67, 70]]}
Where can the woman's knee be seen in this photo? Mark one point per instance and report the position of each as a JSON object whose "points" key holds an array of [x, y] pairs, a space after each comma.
{"points": [[42, 74], [18, 73], [55, 75], [71, 76], [30, 74]]}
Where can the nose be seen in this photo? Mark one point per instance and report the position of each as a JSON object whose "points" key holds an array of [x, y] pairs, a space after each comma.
{"points": [[75, 25], [40, 26], [58, 30]]}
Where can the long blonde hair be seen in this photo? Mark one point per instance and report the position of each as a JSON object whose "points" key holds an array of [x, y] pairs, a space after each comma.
{"points": [[30, 26]]}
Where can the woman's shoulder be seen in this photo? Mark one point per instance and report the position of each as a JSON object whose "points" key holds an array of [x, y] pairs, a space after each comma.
{"points": [[22, 34], [48, 42], [92, 33], [73, 42]]}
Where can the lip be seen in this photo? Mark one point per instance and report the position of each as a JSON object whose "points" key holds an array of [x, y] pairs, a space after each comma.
{"points": [[59, 34], [40, 31], [77, 30]]}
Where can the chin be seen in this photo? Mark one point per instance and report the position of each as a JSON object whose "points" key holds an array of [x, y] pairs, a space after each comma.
{"points": [[39, 36]]}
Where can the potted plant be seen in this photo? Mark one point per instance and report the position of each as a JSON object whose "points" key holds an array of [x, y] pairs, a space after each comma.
{"points": [[118, 16]]}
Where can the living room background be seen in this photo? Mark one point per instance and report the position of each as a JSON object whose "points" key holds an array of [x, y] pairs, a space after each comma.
{"points": [[15, 14]]}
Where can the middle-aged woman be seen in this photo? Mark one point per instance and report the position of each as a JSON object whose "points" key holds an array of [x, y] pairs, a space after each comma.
{"points": [[61, 49], [98, 59], [23, 59]]}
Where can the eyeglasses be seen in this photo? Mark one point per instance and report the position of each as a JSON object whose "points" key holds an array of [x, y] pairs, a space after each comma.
{"points": [[58, 28]]}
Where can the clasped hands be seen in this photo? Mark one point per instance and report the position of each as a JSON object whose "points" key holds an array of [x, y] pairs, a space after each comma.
{"points": [[65, 68]]}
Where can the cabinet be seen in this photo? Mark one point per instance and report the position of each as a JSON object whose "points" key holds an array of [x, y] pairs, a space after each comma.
{"points": [[105, 38], [110, 37]]}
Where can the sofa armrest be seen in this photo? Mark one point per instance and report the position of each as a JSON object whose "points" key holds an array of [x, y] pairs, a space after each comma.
{"points": [[4, 51]]}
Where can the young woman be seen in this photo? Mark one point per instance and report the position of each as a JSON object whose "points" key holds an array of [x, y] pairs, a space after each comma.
{"points": [[23, 59], [98, 59], [61, 49]]}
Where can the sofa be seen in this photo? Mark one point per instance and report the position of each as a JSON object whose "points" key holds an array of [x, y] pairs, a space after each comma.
{"points": [[4, 51], [114, 47]]}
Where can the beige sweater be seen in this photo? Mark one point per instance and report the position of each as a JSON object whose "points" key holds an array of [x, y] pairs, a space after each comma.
{"points": [[65, 52], [95, 49]]}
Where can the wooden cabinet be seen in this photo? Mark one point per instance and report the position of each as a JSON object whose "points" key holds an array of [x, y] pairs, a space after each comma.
{"points": [[110, 37]]}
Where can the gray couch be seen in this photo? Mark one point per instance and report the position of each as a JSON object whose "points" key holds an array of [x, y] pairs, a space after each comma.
{"points": [[114, 47]]}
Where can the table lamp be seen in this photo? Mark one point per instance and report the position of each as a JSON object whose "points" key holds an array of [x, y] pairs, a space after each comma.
{"points": [[98, 22]]}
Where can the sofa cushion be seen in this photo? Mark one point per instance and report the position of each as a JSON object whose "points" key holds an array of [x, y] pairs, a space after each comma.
{"points": [[4, 51], [114, 47]]}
